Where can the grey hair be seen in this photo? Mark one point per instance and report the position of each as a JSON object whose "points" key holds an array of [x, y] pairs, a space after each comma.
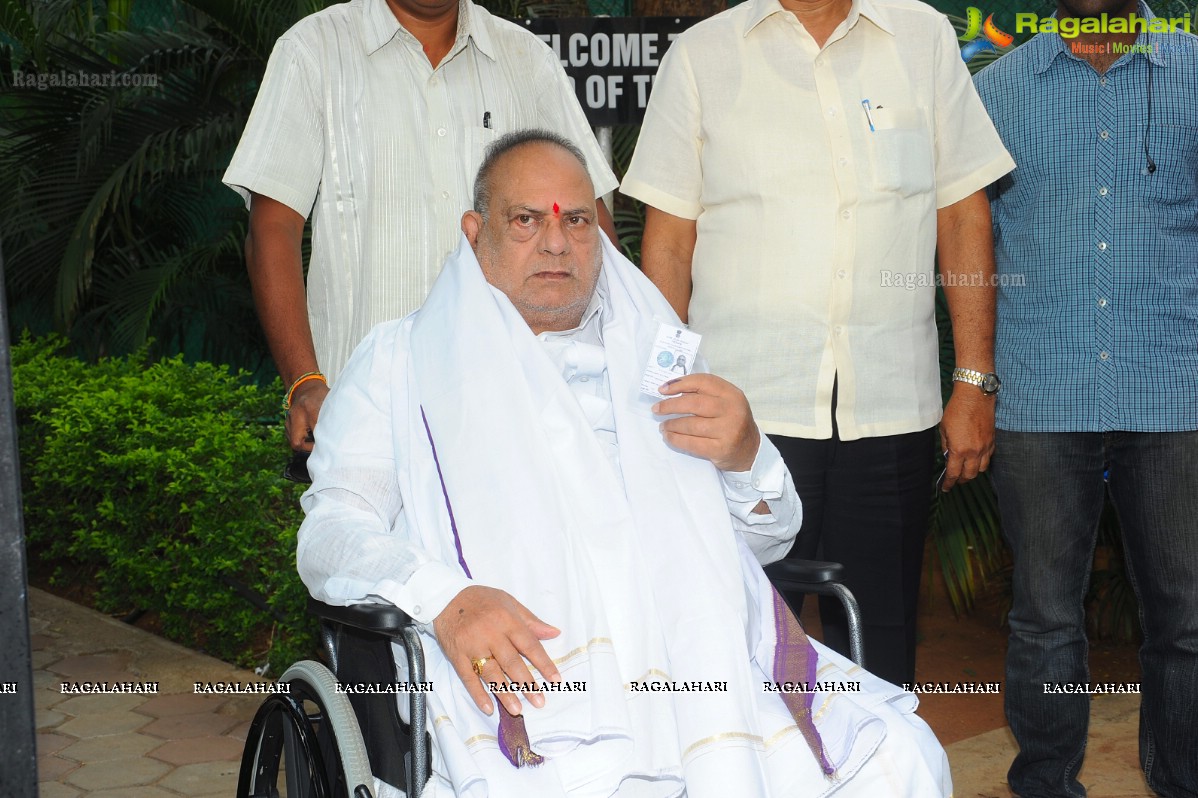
{"points": [[505, 144]]}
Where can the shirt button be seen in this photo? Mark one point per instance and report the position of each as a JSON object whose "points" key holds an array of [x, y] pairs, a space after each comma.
{"points": [[584, 379], [838, 330], [1102, 302], [444, 195], [1102, 192], [819, 62], [1104, 355], [1104, 135], [840, 273], [440, 131], [432, 82], [832, 111], [844, 161], [416, 610], [846, 214], [1102, 81], [1102, 245]]}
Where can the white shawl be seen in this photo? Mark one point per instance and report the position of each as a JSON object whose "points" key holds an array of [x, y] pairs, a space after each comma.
{"points": [[644, 575]]}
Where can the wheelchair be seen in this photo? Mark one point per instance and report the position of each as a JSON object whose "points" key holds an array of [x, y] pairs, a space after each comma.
{"points": [[316, 741]]}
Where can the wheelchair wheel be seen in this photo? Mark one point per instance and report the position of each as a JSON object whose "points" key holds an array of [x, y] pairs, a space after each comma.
{"points": [[306, 743]]}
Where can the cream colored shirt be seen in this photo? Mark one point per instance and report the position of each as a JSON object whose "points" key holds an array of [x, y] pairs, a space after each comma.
{"points": [[816, 233], [354, 125]]}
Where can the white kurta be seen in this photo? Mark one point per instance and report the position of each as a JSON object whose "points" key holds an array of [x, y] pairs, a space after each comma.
{"points": [[642, 569]]}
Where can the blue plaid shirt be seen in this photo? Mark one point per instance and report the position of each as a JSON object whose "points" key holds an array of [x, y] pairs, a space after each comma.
{"points": [[1097, 256]]}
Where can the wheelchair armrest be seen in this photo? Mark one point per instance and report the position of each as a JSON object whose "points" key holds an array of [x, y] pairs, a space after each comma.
{"points": [[383, 619], [800, 574]]}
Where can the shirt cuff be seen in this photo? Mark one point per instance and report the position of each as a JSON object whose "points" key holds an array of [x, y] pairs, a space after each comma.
{"points": [[427, 591], [764, 481]]}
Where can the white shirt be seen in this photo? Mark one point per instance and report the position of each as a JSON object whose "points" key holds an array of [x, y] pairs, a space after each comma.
{"points": [[353, 124], [816, 234]]}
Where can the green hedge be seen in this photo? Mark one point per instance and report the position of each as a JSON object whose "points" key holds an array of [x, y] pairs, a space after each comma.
{"points": [[160, 484]]}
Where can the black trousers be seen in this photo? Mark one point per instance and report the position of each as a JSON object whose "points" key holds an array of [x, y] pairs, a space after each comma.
{"points": [[866, 505]]}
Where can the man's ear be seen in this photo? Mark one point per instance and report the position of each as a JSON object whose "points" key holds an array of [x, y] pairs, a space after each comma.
{"points": [[472, 225]]}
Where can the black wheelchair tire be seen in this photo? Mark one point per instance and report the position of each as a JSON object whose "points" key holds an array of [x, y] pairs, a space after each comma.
{"points": [[312, 681]]}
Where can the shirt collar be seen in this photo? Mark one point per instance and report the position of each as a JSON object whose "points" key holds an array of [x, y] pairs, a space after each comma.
{"points": [[1049, 46], [382, 27], [591, 316], [760, 9]]}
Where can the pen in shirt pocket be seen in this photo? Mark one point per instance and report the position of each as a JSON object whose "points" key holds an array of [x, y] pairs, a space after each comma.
{"points": [[868, 115]]}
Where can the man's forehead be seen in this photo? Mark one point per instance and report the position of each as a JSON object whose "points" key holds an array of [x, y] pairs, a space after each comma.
{"points": [[538, 167]]}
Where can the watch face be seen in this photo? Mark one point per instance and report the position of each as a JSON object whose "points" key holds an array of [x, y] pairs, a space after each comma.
{"points": [[990, 383]]}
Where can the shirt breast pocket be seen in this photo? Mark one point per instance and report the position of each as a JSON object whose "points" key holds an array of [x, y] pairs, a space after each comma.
{"points": [[902, 151], [1174, 150]]}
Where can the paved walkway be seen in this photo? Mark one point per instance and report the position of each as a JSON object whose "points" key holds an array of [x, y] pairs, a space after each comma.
{"points": [[177, 743], [130, 746]]}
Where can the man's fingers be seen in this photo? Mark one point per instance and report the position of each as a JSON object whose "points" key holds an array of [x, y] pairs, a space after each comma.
{"points": [[515, 670], [688, 384], [465, 671], [532, 650], [692, 404], [695, 427], [960, 468], [705, 448], [530, 645], [506, 665], [299, 431]]}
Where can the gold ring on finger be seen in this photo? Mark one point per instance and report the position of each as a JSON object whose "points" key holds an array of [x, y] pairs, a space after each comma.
{"points": [[479, 663]]}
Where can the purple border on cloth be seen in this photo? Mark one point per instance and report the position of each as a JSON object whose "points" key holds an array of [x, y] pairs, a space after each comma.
{"points": [[795, 660], [513, 734], [457, 542]]}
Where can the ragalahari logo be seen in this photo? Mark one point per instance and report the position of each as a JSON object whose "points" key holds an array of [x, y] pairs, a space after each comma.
{"points": [[981, 36]]}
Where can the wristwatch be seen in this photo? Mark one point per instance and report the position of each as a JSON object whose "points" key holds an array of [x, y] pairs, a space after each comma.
{"points": [[989, 382]]}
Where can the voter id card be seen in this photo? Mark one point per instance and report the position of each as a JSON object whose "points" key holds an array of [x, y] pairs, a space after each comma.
{"points": [[673, 356]]}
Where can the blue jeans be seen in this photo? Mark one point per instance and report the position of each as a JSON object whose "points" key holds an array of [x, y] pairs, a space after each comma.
{"points": [[1050, 494]]}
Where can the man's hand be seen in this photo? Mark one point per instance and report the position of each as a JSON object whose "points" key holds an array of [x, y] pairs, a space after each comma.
{"points": [[967, 434], [301, 417], [485, 622], [716, 422]]}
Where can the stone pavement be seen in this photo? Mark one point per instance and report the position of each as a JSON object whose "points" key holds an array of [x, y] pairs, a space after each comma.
{"points": [[130, 746], [177, 743], [1111, 770]]}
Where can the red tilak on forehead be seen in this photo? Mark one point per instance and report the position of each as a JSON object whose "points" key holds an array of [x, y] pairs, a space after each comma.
{"points": [[556, 209]]}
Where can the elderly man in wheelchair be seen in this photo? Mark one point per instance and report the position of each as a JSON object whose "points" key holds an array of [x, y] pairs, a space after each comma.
{"points": [[506, 481]]}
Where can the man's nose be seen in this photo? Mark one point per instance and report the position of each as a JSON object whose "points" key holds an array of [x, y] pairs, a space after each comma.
{"points": [[554, 240]]}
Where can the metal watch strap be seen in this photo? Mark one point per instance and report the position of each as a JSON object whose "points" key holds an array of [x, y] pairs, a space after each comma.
{"points": [[969, 375]]}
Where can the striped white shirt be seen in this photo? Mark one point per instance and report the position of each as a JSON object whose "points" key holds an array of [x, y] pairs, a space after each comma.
{"points": [[353, 125]]}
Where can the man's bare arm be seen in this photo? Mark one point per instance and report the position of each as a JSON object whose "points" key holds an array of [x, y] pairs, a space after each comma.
{"points": [[275, 263], [965, 246], [666, 251]]}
